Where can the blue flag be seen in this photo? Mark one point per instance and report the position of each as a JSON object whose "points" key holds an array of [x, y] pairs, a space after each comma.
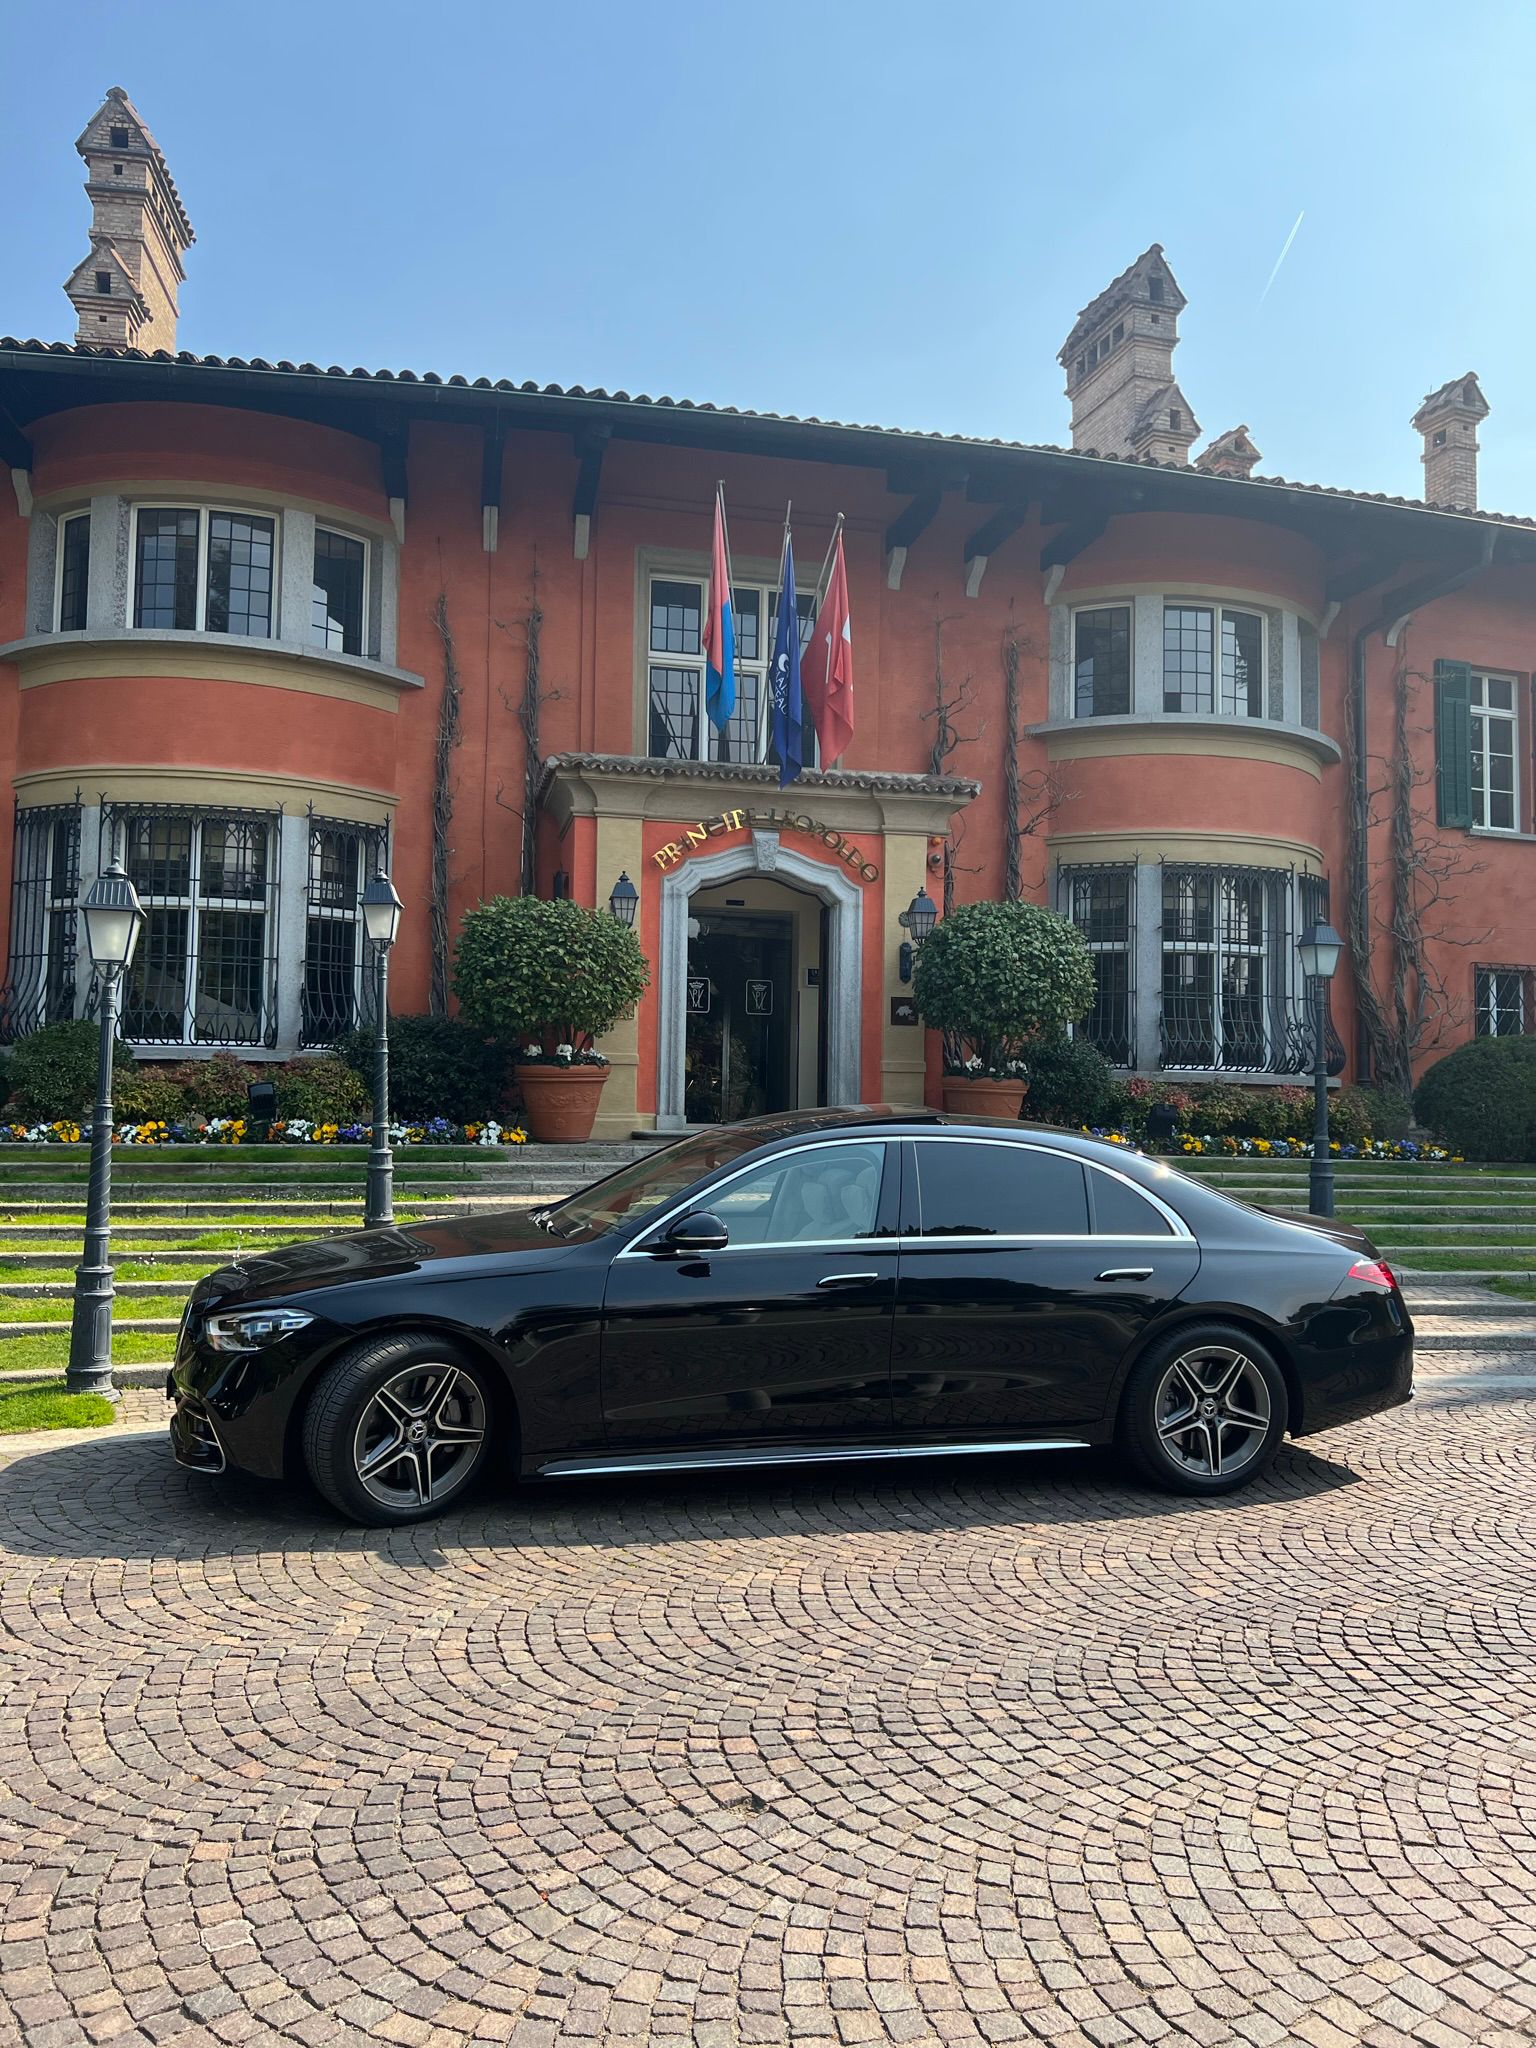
{"points": [[784, 675]]}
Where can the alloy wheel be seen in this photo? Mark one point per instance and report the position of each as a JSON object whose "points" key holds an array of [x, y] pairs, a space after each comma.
{"points": [[1213, 1410], [418, 1436]]}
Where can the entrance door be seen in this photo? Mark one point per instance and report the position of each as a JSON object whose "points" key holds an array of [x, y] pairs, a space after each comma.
{"points": [[741, 1001]]}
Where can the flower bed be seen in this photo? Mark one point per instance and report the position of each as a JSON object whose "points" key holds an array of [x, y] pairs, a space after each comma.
{"points": [[1192, 1145], [236, 1130]]}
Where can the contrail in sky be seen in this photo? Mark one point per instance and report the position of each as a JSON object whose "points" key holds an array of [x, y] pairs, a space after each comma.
{"points": [[1263, 295]]}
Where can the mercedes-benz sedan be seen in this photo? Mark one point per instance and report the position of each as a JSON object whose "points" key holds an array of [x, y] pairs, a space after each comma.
{"points": [[835, 1284]]}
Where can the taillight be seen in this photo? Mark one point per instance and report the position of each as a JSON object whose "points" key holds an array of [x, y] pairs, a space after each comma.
{"points": [[1374, 1272]]}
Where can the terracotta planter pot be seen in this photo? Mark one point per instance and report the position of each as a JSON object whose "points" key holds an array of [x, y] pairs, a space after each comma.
{"points": [[966, 1097], [561, 1101]]}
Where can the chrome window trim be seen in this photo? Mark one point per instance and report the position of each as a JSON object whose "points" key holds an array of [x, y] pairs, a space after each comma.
{"points": [[1179, 1229], [631, 1251]]}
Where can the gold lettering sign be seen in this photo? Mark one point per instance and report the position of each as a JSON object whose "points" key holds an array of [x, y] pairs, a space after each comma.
{"points": [[704, 829]]}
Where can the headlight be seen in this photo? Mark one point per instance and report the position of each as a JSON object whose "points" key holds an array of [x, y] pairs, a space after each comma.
{"points": [[252, 1329]]}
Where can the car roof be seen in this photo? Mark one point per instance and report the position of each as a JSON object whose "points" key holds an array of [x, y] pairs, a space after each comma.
{"points": [[894, 1120]]}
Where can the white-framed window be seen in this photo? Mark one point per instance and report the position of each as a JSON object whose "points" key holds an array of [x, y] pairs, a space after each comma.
{"points": [[1500, 996], [204, 569], [1495, 752], [339, 618], [1213, 659], [73, 571], [1223, 974], [1102, 647], [206, 966], [678, 728]]}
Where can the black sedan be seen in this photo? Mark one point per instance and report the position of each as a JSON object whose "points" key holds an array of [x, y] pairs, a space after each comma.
{"points": [[837, 1284]]}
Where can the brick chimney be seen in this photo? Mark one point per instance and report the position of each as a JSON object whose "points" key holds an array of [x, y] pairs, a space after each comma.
{"points": [[125, 291], [1119, 364], [1230, 454], [1448, 419]]}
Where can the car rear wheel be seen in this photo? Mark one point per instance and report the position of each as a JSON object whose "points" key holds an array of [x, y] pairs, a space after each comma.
{"points": [[1203, 1411], [397, 1430]]}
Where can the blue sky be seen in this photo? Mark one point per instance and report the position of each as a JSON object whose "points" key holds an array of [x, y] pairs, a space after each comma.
{"points": [[863, 209]]}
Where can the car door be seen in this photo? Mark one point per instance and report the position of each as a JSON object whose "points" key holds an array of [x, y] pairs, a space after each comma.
{"points": [[1013, 1311], [783, 1337]]}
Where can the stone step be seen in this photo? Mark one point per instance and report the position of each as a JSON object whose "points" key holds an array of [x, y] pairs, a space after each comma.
{"points": [[145, 1325]]}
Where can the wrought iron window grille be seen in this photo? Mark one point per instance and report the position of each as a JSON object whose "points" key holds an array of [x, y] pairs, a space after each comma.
{"points": [[40, 985], [1101, 901], [338, 993]]}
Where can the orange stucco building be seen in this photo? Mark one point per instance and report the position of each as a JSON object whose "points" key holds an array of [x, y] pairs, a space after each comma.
{"points": [[263, 626]]}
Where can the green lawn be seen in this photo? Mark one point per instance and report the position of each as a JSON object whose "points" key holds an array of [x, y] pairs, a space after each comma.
{"points": [[62, 1271], [43, 1404], [1518, 1260], [34, 1308], [1521, 1286], [51, 1353]]}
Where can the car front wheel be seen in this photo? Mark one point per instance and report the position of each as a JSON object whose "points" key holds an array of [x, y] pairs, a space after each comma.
{"points": [[1203, 1411], [398, 1429]]}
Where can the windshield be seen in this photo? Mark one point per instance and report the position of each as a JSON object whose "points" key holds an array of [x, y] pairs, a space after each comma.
{"points": [[652, 1182]]}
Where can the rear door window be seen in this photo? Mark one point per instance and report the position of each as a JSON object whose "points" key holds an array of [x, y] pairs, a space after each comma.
{"points": [[1119, 1211], [973, 1189]]}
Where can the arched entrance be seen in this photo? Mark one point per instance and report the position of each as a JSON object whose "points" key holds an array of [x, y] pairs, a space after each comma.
{"points": [[840, 993]]}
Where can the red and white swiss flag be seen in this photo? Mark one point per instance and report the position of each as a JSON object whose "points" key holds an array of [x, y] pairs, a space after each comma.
{"points": [[826, 667]]}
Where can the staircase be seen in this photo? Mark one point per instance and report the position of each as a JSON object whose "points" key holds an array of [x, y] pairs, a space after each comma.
{"points": [[179, 1212]]}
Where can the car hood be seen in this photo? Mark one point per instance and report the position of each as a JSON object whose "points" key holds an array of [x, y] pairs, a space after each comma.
{"points": [[372, 1254], [1346, 1234]]}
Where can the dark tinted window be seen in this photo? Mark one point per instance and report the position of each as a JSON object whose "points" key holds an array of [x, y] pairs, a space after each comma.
{"points": [[1006, 1190], [1118, 1211]]}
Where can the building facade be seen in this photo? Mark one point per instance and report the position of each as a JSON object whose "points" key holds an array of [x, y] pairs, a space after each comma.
{"points": [[264, 626]]}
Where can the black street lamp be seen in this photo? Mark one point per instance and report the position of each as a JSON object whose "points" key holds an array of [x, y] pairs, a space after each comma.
{"points": [[381, 921], [114, 918], [624, 903], [1319, 948], [919, 918]]}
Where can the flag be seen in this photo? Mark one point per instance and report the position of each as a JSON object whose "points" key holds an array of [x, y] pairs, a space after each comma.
{"points": [[784, 675], [720, 629], [827, 669]]}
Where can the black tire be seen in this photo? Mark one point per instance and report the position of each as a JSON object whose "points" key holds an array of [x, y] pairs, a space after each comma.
{"points": [[437, 1404], [1189, 1441]]}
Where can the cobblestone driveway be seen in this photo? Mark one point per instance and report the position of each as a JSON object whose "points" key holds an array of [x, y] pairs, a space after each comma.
{"points": [[955, 1755]]}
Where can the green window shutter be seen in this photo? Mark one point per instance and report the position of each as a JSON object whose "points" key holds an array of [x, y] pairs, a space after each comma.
{"points": [[1453, 743]]}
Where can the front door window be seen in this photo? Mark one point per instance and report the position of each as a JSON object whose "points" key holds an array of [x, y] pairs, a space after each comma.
{"points": [[741, 1001]]}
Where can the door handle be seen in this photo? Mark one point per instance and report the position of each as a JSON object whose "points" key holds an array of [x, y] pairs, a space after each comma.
{"points": [[1126, 1273], [844, 1279]]}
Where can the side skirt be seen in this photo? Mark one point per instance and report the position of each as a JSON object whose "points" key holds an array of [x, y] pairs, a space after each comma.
{"points": [[781, 1454]]}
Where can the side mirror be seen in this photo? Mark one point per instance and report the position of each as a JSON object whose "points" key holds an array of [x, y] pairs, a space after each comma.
{"points": [[695, 1233]]}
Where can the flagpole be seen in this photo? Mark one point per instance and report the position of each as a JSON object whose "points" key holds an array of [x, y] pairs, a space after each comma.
{"points": [[826, 567]]}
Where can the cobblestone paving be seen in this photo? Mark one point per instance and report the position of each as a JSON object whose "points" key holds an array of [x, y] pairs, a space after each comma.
{"points": [[954, 1756]]}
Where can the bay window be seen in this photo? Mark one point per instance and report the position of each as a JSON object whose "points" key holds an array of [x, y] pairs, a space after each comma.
{"points": [[74, 571], [1101, 902], [1213, 660], [1101, 661], [204, 570], [1223, 966], [205, 969], [45, 886], [678, 726], [340, 600], [336, 991]]}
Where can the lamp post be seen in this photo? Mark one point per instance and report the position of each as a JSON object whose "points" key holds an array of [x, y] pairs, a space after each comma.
{"points": [[114, 918], [918, 919], [1319, 948], [624, 903], [381, 921]]}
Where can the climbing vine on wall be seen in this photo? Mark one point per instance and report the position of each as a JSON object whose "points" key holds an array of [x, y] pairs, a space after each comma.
{"points": [[442, 808]]}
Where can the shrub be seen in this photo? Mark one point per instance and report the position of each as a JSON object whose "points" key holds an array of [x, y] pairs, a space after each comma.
{"points": [[322, 1091], [549, 973], [152, 1095], [1481, 1099], [1071, 1083], [53, 1071], [992, 976], [438, 1066], [1389, 1113], [217, 1086]]}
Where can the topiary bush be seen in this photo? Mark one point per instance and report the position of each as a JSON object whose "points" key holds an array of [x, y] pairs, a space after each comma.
{"points": [[321, 1091], [548, 974], [53, 1071], [438, 1066], [1480, 1100], [993, 976], [217, 1086], [1070, 1083], [152, 1095]]}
